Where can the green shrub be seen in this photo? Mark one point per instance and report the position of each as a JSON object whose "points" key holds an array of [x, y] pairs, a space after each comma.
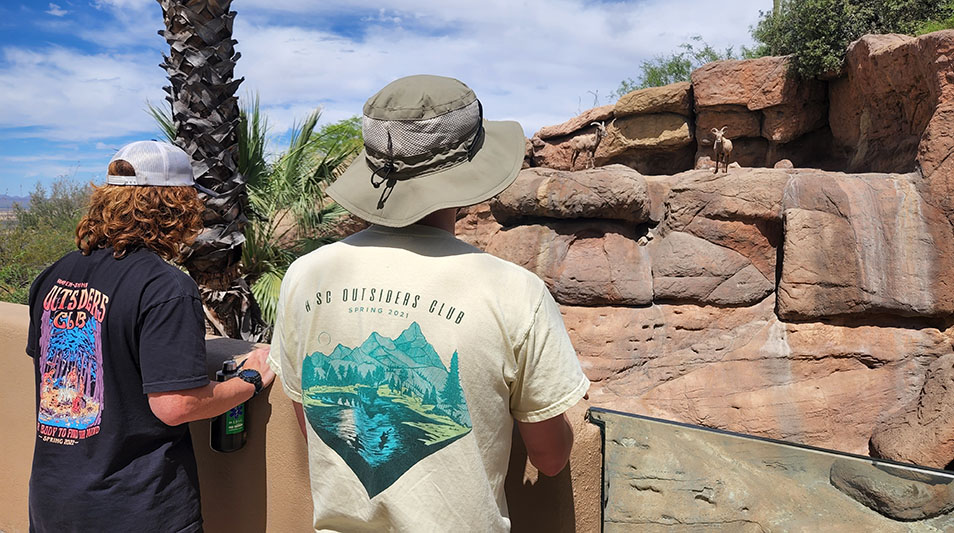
{"points": [[676, 67], [289, 214], [818, 32], [39, 235]]}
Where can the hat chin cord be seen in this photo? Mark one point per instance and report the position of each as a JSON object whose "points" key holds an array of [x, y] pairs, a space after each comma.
{"points": [[386, 178], [389, 167]]}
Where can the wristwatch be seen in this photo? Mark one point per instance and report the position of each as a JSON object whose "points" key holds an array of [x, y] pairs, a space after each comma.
{"points": [[252, 376]]}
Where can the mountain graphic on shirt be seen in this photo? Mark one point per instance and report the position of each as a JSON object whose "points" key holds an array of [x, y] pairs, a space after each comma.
{"points": [[384, 405]]}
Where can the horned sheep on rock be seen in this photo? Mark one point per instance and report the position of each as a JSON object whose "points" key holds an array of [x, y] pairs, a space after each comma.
{"points": [[587, 144], [721, 148]]}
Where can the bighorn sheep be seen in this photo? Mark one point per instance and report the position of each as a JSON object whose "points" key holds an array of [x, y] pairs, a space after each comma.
{"points": [[722, 148], [587, 143]]}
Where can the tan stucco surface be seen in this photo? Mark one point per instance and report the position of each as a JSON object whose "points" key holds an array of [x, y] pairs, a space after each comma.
{"points": [[264, 486]]}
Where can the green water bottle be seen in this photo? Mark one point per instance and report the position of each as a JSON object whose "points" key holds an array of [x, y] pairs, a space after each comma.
{"points": [[228, 431]]}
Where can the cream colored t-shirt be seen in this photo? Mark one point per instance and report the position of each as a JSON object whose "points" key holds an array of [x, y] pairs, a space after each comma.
{"points": [[412, 352]]}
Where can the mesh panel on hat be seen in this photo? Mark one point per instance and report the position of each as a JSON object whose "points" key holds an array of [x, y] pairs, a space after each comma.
{"points": [[147, 158], [155, 163], [415, 137]]}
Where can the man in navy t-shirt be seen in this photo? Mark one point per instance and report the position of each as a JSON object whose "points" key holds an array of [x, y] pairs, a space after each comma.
{"points": [[117, 337]]}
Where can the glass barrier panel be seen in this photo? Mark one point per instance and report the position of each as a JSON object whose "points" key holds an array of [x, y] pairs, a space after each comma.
{"points": [[660, 475]]}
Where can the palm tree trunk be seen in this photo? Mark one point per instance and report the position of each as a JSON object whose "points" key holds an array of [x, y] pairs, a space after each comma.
{"points": [[206, 115]]}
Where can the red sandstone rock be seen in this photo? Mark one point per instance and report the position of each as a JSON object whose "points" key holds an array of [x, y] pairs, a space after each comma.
{"points": [[743, 194], [612, 192], [689, 269], [785, 123], [863, 244], [658, 188], [741, 369], [756, 240], [937, 143], [346, 225], [812, 150], [754, 83], [476, 225], [583, 263], [558, 152], [673, 98], [596, 114], [936, 158], [880, 118], [704, 162], [653, 161], [922, 432], [552, 153], [659, 130], [749, 152], [659, 143], [737, 120], [858, 252]]}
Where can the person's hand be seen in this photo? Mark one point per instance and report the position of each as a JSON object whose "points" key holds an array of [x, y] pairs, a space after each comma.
{"points": [[257, 361]]}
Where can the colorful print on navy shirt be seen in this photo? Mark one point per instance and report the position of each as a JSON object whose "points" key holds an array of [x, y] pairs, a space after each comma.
{"points": [[71, 363], [384, 405]]}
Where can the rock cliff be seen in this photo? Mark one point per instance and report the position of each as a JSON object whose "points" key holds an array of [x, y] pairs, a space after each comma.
{"points": [[809, 302]]}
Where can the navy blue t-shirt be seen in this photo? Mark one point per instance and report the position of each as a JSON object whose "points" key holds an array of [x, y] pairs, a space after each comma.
{"points": [[103, 334]]}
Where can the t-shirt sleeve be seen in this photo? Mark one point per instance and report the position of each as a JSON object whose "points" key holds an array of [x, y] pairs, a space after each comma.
{"points": [[283, 357], [172, 346], [33, 331], [548, 379]]}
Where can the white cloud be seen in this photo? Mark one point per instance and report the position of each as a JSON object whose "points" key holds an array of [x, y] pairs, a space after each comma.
{"points": [[56, 11], [535, 61], [137, 5], [65, 95], [532, 61], [133, 23]]}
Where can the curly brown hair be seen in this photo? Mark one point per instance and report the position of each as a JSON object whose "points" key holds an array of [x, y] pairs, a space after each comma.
{"points": [[126, 217]]}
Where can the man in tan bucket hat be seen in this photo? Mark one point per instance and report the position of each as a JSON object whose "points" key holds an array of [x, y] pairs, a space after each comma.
{"points": [[408, 353]]}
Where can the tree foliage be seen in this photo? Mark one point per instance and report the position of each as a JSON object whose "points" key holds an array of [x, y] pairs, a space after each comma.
{"points": [[676, 67], [818, 32], [38, 235], [289, 213]]}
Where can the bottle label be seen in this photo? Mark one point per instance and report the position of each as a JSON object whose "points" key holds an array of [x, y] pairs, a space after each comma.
{"points": [[235, 420]]}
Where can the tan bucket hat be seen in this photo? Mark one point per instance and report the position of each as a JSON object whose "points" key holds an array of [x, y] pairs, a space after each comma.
{"points": [[427, 147]]}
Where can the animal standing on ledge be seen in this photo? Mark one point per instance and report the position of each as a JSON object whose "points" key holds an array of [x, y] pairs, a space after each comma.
{"points": [[587, 143], [722, 148]]}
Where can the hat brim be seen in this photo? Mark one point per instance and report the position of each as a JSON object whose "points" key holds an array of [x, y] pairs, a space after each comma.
{"points": [[492, 169]]}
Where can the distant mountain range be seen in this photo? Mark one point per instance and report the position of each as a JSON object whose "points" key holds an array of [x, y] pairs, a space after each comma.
{"points": [[6, 202]]}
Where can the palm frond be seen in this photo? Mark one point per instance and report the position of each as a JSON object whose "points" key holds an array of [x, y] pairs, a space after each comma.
{"points": [[163, 118], [253, 138], [266, 290], [291, 215]]}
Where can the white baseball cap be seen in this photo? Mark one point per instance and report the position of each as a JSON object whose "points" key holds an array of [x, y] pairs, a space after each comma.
{"points": [[156, 164]]}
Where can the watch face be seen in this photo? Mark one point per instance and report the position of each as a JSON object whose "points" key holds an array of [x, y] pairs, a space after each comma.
{"points": [[252, 376], [249, 374]]}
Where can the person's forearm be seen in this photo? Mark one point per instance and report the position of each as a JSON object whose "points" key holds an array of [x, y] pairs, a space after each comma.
{"points": [[179, 407]]}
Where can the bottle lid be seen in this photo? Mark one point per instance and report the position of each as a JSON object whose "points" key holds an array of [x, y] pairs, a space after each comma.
{"points": [[229, 366]]}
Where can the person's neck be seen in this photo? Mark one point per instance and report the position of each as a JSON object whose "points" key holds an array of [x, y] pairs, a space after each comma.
{"points": [[445, 219]]}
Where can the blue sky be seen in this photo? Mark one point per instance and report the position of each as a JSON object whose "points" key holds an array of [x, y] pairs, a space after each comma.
{"points": [[75, 75]]}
